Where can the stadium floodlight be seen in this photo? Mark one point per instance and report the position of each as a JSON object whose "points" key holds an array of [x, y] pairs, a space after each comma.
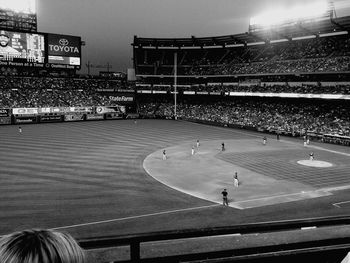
{"points": [[19, 6], [280, 16]]}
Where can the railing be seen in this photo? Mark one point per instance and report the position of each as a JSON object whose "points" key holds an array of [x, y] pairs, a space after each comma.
{"points": [[327, 244]]}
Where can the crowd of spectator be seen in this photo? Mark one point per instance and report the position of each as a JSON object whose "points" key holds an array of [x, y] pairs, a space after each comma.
{"points": [[329, 64], [53, 92], [321, 54], [301, 88], [266, 114], [282, 116]]}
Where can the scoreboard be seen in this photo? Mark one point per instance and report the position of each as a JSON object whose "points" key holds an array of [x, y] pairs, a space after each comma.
{"points": [[43, 50], [23, 47]]}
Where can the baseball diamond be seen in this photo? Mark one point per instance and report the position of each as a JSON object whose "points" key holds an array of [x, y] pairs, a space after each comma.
{"points": [[89, 177]]}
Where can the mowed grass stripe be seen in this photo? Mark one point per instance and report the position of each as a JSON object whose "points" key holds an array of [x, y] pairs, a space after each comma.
{"points": [[280, 165], [106, 158], [102, 177]]}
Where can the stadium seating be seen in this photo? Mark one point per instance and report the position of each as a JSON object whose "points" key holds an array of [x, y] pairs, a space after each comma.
{"points": [[53, 92], [320, 54], [293, 118], [301, 88]]}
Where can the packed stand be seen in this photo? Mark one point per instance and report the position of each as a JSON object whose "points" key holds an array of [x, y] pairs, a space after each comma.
{"points": [[286, 117], [301, 88], [52, 92], [320, 54]]}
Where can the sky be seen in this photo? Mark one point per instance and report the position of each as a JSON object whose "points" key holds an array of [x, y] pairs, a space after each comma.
{"points": [[109, 26]]}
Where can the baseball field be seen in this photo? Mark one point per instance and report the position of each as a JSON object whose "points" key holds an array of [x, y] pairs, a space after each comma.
{"points": [[106, 178]]}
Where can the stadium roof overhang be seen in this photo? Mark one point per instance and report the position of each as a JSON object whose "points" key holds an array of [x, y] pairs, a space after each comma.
{"points": [[300, 29]]}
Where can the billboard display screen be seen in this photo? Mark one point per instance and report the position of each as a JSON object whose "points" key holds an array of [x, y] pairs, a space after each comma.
{"points": [[64, 50], [18, 46]]}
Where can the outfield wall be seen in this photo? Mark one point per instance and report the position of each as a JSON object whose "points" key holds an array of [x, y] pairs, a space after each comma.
{"points": [[60, 114]]}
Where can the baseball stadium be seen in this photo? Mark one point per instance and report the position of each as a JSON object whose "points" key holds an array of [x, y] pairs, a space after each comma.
{"points": [[227, 148]]}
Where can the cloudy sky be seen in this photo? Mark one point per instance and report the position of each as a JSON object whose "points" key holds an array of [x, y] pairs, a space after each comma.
{"points": [[108, 26]]}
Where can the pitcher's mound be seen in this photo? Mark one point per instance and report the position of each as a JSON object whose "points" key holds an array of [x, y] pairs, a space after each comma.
{"points": [[315, 163]]}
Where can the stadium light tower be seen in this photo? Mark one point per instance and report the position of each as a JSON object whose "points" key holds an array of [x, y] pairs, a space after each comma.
{"points": [[18, 15], [175, 85], [282, 16], [19, 6]]}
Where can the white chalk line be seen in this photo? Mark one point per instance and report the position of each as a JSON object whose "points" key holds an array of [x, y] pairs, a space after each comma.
{"points": [[328, 150], [277, 196], [135, 217], [339, 203]]}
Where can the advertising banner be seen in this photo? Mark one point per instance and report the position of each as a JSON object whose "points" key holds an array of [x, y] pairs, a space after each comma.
{"points": [[5, 116], [74, 117], [76, 109], [93, 117], [122, 98], [44, 110], [25, 111], [113, 116], [82, 109], [64, 49], [51, 118], [5, 112], [5, 120], [110, 109], [25, 119], [64, 45]]}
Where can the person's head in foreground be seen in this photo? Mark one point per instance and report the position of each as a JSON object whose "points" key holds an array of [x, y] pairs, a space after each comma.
{"points": [[40, 246]]}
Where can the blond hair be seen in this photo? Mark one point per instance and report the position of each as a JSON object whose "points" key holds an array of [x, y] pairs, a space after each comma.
{"points": [[40, 246]]}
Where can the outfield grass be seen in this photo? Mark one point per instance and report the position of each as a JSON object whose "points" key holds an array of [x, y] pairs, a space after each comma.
{"points": [[88, 179]]}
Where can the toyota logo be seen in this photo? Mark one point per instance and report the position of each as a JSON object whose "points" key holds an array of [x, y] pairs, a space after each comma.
{"points": [[63, 42]]}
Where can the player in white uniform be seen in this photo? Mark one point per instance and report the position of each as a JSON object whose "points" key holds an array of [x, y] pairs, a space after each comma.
{"points": [[235, 180], [197, 144], [164, 155], [311, 156], [192, 150]]}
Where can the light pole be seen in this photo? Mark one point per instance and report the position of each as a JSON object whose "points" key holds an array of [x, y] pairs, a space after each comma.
{"points": [[175, 84]]}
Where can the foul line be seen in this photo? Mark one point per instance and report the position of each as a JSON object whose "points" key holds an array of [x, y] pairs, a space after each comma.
{"points": [[134, 217], [234, 130], [338, 204], [328, 150], [282, 195]]}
